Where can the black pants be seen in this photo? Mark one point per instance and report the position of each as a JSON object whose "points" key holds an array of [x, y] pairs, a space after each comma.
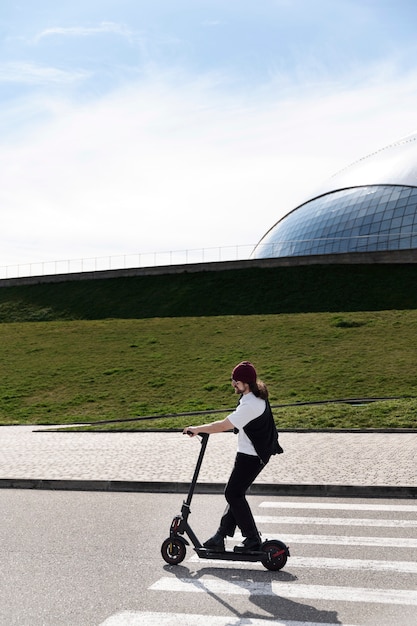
{"points": [[238, 513]]}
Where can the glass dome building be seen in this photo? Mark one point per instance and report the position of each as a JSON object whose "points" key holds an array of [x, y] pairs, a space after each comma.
{"points": [[369, 206]]}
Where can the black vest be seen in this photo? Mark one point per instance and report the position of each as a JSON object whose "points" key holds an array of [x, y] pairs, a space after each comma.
{"points": [[263, 434]]}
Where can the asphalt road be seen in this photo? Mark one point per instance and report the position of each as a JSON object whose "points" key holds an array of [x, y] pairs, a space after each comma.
{"points": [[93, 559]]}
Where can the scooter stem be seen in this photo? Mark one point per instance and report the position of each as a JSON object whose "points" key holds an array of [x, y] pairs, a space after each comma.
{"points": [[204, 441]]}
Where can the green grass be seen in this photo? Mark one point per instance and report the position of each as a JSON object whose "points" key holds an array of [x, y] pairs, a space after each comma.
{"points": [[86, 351], [90, 370]]}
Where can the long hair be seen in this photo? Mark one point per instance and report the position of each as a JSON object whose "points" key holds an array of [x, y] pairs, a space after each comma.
{"points": [[259, 389]]}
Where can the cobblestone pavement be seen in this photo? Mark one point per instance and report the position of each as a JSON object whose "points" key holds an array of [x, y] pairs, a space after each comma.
{"points": [[362, 459]]}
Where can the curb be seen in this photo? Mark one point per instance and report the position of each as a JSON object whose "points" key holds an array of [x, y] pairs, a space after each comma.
{"points": [[265, 489]]}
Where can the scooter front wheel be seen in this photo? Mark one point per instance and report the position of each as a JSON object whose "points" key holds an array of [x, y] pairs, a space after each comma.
{"points": [[276, 554], [173, 551]]}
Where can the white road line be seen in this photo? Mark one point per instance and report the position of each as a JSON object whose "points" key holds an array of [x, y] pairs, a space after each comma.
{"points": [[337, 540], [399, 567], [128, 618], [337, 521], [287, 590], [337, 506], [386, 542]]}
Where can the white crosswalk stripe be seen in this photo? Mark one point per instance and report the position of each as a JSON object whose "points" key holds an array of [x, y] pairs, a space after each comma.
{"points": [[341, 540], [403, 567], [286, 590], [128, 618], [337, 521], [340, 506], [400, 567]]}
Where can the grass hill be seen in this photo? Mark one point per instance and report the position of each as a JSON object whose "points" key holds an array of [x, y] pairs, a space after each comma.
{"points": [[128, 347]]}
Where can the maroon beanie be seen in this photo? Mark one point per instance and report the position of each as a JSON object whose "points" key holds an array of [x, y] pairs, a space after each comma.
{"points": [[245, 372]]}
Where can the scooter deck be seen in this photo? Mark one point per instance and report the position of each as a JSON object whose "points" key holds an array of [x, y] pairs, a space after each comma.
{"points": [[229, 555]]}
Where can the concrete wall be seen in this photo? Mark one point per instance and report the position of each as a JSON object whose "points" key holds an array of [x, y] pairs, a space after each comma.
{"points": [[388, 257]]}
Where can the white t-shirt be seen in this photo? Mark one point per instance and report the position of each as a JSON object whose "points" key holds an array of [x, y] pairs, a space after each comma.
{"points": [[248, 409]]}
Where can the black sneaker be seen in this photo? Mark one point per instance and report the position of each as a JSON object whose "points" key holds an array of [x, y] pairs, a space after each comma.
{"points": [[250, 544], [215, 543]]}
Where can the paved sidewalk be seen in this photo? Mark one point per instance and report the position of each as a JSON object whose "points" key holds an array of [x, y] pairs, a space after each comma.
{"points": [[384, 463]]}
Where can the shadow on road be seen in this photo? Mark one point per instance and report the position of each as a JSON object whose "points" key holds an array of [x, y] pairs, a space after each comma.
{"points": [[268, 605]]}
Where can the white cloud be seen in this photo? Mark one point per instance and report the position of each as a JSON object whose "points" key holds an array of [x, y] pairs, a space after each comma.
{"points": [[32, 73], [174, 164], [85, 31]]}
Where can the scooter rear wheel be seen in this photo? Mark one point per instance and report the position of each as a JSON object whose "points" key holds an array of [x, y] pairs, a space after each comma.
{"points": [[276, 553], [173, 551]]}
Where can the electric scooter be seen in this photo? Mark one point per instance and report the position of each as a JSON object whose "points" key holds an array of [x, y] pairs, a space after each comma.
{"points": [[273, 553]]}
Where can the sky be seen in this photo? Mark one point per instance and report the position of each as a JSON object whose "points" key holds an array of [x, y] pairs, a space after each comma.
{"points": [[133, 126]]}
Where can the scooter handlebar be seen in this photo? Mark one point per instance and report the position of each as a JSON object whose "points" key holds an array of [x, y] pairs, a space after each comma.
{"points": [[203, 436]]}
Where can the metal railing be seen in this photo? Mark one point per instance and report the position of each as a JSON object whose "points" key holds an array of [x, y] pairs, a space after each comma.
{"points": [[126, 261]]}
